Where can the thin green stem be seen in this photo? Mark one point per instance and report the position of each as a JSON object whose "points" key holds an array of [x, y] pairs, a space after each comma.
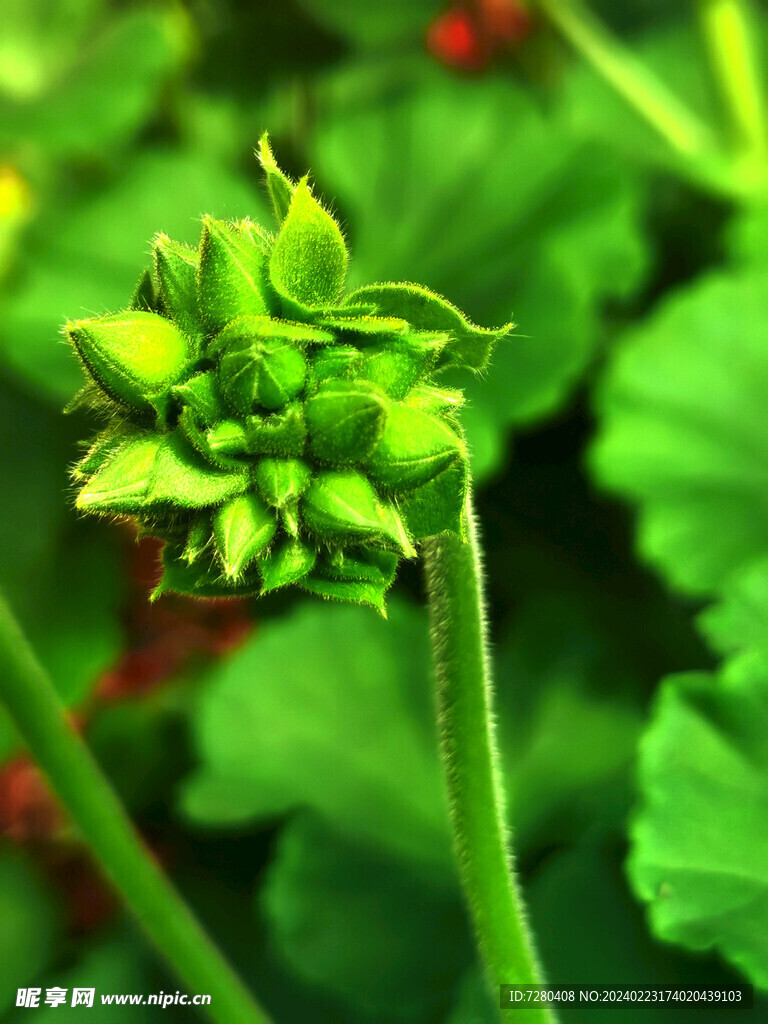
{"points": [[631, 78], [37, 712], [471, 762], [729, 33]]}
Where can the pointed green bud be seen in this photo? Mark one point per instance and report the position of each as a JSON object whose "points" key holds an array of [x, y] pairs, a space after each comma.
{"points": [[258, 367], [200, 394], [282, 481], [123, 483], [287, 563], [308, 263], [414, 447], [470, 346], [227, 439], [343, 506], [283, 433], [199, 538], [280, 187], [345, 420], [242, 529], [435, 401], [144, 296], [131, 355], [202, 578], [105, 445], [176, 274], [182, 478], [231, 272], [335, 363], [397, 364]]}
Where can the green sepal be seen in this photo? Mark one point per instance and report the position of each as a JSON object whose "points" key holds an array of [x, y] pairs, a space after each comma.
{"points": [[279, 185], [144, 294], [308, 262], [223, 445], [401, 362], [131, 355], [123, 482], [258, 365], [282, 481], [470, 346], [182, 477], [361, 575], [200, 579], [335, 363], [242, 530], [343, 506], [287, 563], [437, 506], [176, 274], [231, 272], [345, 420], [365, 325], [200, 394], [414, 447], [99, 452], [282, 434], [435, 401], [199, 538]]}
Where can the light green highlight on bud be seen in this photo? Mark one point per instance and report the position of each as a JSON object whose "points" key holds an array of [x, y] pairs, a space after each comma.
{"points": [[345, 420], [282, 481], [308, 263], [176, 273], [336, 362], [365, 325], [231, 272], [123, 483], [470, 346], [279, 185], [414, 447], [242, 529], [199, 538], [343, 506], [288, 563], [131, 355]]}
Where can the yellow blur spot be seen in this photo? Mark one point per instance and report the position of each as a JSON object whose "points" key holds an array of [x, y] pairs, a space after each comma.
{"points": [[15, 195]]}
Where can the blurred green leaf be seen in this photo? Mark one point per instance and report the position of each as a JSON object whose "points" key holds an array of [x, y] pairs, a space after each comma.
{"points": [[367, 24], [474, 1004], [684, 432], [366, 928], [469, 188], [109, 91], [327, 708], [86, 257], [61, 580], [28, 926], [700, 840]]}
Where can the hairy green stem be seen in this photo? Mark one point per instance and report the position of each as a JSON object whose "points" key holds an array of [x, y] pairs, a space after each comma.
{"points": [[37, 712], [630, 77], [470, 757], [730, 36]]}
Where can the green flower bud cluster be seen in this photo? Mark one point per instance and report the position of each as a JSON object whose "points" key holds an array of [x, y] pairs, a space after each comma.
{"points": [[270, 430]]}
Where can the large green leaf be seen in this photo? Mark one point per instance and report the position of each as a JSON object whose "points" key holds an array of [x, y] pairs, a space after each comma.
{"points": [[328, 708], [86, 257], [684, 432], [342, 913], [700, 840], [469, 189], [98, 100]]}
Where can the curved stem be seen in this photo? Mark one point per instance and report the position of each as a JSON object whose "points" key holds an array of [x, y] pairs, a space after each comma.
{"points": [[630, 77], [730, 34], [41, 719], [470, 757]]}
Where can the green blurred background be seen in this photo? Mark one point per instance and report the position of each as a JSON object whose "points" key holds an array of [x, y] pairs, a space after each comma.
{"points": [[280, 757]]}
